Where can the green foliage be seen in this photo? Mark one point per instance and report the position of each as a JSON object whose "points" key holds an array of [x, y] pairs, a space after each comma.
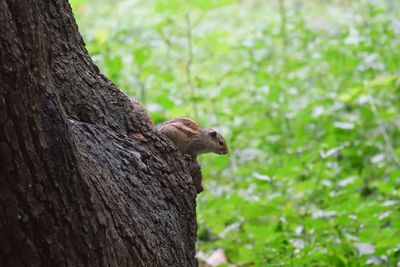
{"points": [[308, 98]]}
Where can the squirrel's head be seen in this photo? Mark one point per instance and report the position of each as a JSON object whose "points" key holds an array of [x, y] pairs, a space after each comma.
{"points": [[217, 143]]}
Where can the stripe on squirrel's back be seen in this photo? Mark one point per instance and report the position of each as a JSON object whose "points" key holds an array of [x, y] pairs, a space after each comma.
{"points": [[185, 121], [184, 129], [189, 123]]}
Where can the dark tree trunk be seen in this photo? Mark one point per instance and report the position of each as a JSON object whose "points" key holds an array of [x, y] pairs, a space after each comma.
{"points": [[83, 179]]}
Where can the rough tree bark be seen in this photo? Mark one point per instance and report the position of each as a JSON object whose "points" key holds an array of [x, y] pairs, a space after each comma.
{"points": [[83, 180]]}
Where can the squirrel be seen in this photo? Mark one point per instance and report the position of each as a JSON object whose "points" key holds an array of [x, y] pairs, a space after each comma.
{"points": [[191, 139]]}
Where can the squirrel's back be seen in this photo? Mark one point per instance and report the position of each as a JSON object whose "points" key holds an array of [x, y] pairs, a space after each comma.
{"points": [[184, 125]]}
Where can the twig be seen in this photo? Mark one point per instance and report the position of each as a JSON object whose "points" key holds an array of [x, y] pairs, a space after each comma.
{"points": [[282, 12], [188, 68], [388, 141]]}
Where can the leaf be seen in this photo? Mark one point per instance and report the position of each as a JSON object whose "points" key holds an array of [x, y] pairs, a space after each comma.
{"points": [[142, 55], [344, 125], [262, 177], [209, 4], [365, 248], [102, 35], [384, 81], [114, 64], [352, 94]]}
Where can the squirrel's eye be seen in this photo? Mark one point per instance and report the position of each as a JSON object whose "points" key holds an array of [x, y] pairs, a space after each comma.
{"points": [[221, 143]]}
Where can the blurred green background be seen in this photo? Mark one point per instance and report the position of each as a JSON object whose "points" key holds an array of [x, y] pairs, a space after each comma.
{"points": [[307, 95]]}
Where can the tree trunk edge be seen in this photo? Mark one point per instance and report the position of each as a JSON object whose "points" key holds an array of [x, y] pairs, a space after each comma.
{"points": [[76, 189]]}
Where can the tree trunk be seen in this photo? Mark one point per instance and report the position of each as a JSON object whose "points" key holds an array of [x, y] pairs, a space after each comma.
{"points": [[84, 181]]}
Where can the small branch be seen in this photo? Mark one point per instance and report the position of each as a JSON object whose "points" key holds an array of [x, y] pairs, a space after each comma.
{"points": [[188, 68], [282, 12], [386, 137], [142, 87]]}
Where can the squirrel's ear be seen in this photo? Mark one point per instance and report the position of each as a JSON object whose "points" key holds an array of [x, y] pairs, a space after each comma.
{"points": [[213, 134]]}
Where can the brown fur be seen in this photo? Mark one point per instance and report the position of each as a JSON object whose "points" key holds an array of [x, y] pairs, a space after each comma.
{"points": [[191, 138]]}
